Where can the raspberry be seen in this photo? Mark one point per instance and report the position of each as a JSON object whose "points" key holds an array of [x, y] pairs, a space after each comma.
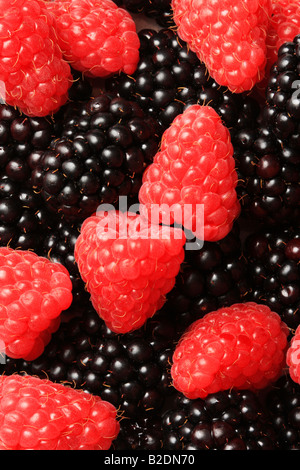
{"points": [[241, 346], [34, 292], [230, 37], [194, 167], [32, 68], [36, 414], [284, 26], [293, 356], [96, 36], [128, 266]]}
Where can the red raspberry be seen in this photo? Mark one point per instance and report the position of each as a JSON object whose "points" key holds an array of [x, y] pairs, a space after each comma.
{"points": [[35, 76], [96, 36], [228, 36], [128, 266], [284, 26], [36, 414], [195, 166], [293, 356], [242, 347], [33, 293]]}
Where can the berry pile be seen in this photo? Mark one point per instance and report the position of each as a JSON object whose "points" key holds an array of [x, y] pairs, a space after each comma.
{"points": [[149, 225], [169, 77]]}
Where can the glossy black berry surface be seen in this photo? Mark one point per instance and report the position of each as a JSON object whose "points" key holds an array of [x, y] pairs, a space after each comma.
{"points": [[159, 10], [131, 371], [268, 159], [229, 420], [273, 257], [101, 154], [269, 175], [23, 215], [58, 246], [283, 402], [212, 276], [169, 77]]}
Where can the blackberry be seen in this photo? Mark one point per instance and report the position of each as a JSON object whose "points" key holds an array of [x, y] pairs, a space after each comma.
{"points": [[103, 149], [131, 371], [160, 10], [273, 256], [269, 176], [214, 276], [58, 246], [23, 215], [282, 111], [81, 89], [142, 434], [169, 77], [229, 420], [283, 402], [273, 184]]}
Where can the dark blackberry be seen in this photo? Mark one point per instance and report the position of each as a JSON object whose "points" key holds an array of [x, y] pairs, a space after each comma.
{"points": [[23, 216], [169, 77], [273, 257], [81, 89], [131, 370], [269, 176], [103, 149], [283, 402], [282, 111], [141, 434], [269, 160], [160, 10], [211, 277], [229, 420], [58, 246]]}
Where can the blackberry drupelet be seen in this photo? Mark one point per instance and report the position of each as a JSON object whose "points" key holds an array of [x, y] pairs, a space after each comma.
{"points": [[102, 151], [211, 277], [169, 77], [131, 371], [23, 216], [58, 246], [229, 420], [160, 10], [283, 402], [273, 256]]}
